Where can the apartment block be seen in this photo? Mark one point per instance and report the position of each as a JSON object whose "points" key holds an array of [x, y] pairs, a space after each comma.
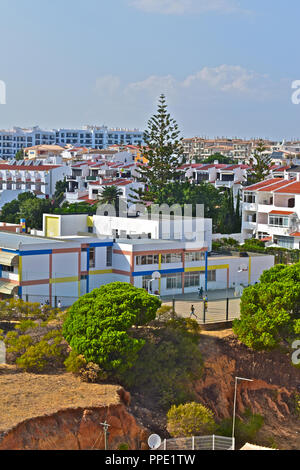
{"points": [[271, 211]]}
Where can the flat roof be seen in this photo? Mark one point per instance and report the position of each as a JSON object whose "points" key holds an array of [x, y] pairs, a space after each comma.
{"points": [[13, 240]]}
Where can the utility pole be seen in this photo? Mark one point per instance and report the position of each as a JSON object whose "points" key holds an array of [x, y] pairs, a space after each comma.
{"points": [[106, 433]]}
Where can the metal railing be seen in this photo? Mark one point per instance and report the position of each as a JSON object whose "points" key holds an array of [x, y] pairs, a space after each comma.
{"points": [[199, 443]]}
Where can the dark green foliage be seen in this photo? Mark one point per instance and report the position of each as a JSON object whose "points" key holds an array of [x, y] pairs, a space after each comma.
{"points": [[246, 428], [76, 208], [60, 189], [270, 310], [260, 165], [163, 150], [168, 362], [19, 155], [111, 195], [26, 206], [98, 324]]}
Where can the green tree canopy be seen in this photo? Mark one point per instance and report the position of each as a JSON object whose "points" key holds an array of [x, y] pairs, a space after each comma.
{"points": [[270, 310], [163, 150], [260, 165], [27, 206], [98, 324], [111, 195]]}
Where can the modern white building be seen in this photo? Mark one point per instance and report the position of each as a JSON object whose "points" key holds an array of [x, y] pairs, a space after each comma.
{"points": [[271, 211], [40, 269]]}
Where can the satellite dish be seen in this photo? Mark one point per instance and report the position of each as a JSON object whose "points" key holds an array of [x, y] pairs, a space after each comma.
{"points": [[154, 441], [156, 275]]}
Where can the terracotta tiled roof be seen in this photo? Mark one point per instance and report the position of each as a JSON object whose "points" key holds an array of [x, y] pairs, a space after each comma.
{"points": [[278, 212]]}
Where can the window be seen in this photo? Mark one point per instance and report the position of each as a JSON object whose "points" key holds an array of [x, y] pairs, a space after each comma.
{"points": [[194, 256], [146, 259], [8, 269], [191, 279], [173, 281], [249, 197], [109, 256], [171, 258], [278, 221], [92, 261], [211, 276]]}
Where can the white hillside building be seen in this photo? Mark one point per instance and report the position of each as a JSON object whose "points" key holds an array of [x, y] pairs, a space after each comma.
{"points": [[271, 211]]}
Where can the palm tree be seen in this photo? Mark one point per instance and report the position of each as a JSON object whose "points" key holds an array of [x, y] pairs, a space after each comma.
{"points": [[111, 195]]}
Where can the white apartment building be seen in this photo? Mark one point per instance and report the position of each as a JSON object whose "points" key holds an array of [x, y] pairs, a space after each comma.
{"points": [[89, 136], [271, 211], [31, 176], [99, 137], [17, 138]]}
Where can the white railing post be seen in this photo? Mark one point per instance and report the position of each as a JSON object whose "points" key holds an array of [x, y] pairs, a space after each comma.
{"points": [[193, 443], [213, 442], [165, 444]]}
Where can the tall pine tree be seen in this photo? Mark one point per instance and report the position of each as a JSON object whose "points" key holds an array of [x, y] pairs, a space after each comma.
{"points": [[163, 150]]}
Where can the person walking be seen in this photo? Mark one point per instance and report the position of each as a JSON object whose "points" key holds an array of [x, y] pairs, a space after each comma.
{"points": [[193, 312], [200, 292]]}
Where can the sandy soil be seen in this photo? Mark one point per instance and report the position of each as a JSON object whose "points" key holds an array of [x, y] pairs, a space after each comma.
{"points": [[24, 395]]}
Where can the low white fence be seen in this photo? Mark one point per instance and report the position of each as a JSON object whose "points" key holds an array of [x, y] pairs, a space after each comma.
{"points": [[199, 443]]}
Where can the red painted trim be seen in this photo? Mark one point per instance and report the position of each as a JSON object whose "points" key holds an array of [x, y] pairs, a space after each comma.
{"points": [[163, 252], [66, 250], [35, 283], [10, 281], [121, 252], [123, 273]]}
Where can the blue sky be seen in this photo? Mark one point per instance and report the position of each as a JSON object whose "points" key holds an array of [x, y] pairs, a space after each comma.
{"points": [[226, 66]]}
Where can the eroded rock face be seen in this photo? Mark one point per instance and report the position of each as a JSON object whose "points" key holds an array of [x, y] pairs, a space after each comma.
{"points": [[271, 394], [78, 429]]}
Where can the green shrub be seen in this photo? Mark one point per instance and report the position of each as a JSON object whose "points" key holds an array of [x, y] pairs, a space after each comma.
{"points": [[25, 325], [270, 310], [191, 419], [43, 355], [167, 364], [98, 324], [246, 429], [75, 362], [123, 446]]}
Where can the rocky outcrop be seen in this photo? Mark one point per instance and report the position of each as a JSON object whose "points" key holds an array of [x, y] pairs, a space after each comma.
{"points": [[78, 429], [276, 384]]}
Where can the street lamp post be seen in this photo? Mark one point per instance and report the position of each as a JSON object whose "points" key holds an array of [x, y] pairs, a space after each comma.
{"points": [[106, 433], [234, 404]]}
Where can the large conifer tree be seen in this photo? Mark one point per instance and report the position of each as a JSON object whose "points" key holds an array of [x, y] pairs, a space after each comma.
{"points": [[163, 150]]}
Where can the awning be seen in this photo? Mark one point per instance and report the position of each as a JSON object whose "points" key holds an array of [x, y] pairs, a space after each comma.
{"points": [[8, 288], [275, 212], [9, 259]]}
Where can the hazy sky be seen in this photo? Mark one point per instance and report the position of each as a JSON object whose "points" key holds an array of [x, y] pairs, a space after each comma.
{"points": [[226, 66]]}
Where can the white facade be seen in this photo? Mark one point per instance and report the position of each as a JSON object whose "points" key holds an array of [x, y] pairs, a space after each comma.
{"points": [[27, 176], [63, 269], [90, 136], [271, 211]]}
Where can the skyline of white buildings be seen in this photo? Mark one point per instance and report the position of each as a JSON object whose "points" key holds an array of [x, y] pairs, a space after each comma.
{"points": [[96, 137]]}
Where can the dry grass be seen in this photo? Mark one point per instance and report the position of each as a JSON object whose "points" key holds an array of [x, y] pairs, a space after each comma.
{"points": [[24, 395]]}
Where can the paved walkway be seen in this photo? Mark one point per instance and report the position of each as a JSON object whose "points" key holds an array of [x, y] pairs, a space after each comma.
{"points": [[216, 306]]}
